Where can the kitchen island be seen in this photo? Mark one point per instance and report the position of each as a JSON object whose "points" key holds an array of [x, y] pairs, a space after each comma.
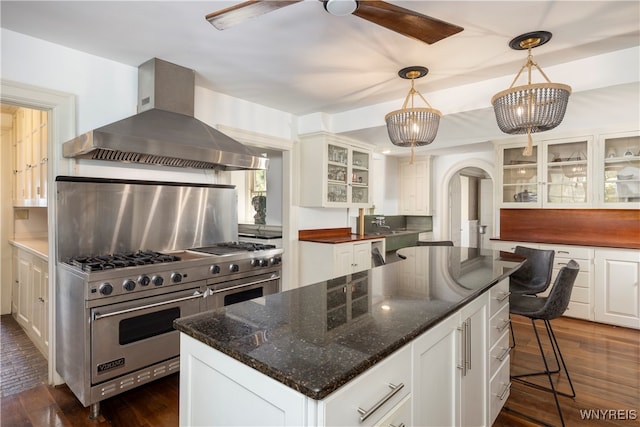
{"points": [[357, 349]]}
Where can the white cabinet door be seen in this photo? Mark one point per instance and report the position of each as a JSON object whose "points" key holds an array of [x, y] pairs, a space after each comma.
{"points": [[361, 256], [415, 186], [436, 377], [24, 290], [342, 259], [474, 374], [617, 298], [39, 277]]}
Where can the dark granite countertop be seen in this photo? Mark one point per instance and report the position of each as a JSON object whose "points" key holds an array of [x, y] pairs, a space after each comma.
{"points": [[316, 338]]}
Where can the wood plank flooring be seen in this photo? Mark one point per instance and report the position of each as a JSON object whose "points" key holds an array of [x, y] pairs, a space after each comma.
{"points": [[603, 361]]}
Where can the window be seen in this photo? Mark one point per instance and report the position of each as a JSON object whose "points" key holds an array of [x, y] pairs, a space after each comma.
{"points": [[258, 195]]}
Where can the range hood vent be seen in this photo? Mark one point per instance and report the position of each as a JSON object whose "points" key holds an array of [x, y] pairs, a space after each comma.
{"points": [[164, 132]]}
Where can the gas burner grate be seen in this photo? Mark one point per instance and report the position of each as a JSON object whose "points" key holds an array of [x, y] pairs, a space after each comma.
{"points": [[233, 247], [121, 260]]}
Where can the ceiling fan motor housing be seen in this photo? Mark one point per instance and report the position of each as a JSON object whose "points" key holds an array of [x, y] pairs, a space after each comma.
{"points": [[340, 7]]}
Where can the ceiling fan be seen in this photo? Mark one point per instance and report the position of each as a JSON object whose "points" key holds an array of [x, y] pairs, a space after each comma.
{"points": [[395, 18]]}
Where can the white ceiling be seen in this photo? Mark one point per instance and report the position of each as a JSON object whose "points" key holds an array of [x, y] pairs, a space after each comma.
{"points": [[302, 60]]}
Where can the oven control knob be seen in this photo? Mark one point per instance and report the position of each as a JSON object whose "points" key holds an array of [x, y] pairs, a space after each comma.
{"points": [[176, 277], [275, 260], [157, 280], [256, 262], [263, 263], [215, 269], [144, 280], [234, 268], [105, 288], [129, 285]]}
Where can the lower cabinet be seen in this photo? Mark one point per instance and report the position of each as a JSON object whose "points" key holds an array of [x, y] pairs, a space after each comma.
{"points": [[30, 300], [323, 261], [456, 373], [453, 390], [607, 288], [617, 281]]}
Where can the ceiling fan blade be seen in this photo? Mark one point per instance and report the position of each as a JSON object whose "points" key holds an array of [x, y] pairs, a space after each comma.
{"points": [[406, 22], [225, 18]]}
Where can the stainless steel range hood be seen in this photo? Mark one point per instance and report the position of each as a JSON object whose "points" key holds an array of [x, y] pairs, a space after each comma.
{"points": [[164, 132]]}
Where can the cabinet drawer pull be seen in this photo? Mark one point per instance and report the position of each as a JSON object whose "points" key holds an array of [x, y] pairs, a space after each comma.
{"points": [[563, 252], [502, 395], [399, 425], [503, 297], [505, 323], [364, 414], [504, 354]]}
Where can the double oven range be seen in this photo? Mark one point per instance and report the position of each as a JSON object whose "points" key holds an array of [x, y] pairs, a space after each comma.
{"points": [[120, 309], [114, 313]]}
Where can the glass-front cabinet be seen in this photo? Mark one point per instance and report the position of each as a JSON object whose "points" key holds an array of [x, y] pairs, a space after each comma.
{"points": [[621, 163], [557, 174], [333, 173]]}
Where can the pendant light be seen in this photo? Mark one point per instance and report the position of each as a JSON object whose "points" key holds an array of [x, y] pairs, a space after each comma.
{"points": [[534, 107], [411, 126]]}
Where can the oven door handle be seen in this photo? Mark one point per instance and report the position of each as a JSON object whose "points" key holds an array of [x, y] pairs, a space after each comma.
{"points": [[244, 285], [97, 316]]}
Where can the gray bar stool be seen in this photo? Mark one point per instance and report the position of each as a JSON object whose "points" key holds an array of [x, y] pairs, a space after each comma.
{"points": [[533, 277], [547, 309]]}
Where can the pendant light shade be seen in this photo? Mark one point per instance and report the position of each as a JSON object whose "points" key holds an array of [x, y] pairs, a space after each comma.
{"points": [[534, 107], [411, 126]]}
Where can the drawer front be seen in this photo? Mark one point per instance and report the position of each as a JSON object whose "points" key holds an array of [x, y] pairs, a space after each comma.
{"points": [[569, 252], [398, 416], [498, 325], [579, 311], [559, 262], [499, 297], [500, 387], [366, 391], [499, 353]]}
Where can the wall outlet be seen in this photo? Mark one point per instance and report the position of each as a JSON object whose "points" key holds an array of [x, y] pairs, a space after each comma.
{"points": [[21, 213]]}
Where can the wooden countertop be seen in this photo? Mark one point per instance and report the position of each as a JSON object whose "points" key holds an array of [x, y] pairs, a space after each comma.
{"points": [[333, 235], [38, 247]]}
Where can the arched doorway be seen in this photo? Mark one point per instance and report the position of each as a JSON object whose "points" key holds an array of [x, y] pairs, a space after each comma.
{"points": [[468, 214]]}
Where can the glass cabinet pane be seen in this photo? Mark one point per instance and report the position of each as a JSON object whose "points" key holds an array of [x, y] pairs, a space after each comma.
{"points": [[622, 170], [337, 193], [337, 154], [566, 180], [519, 176]]}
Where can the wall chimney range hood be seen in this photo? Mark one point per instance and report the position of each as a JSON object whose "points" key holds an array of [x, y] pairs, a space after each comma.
{"points": [[165, 131]]}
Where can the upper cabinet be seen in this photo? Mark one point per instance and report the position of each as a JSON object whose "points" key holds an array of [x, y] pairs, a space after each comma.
{"points": [[415, 186], [619, 155], [333, 173], [30, 157], [558, 174]]}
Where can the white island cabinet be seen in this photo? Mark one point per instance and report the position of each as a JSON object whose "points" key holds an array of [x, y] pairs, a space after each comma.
{"points": [[414, 358]]}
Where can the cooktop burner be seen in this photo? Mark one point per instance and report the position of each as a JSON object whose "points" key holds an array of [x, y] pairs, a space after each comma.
{"points": [[233, 247], [121, 260]]}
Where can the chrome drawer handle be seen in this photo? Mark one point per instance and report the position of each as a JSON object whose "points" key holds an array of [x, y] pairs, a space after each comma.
{"points": [[504, 296], [505, 323], [504, 354], [502, 395], [400, 425], [364, 414]]}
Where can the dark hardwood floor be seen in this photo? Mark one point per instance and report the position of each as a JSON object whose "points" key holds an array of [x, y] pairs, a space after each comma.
{"points": [[603, 361]]}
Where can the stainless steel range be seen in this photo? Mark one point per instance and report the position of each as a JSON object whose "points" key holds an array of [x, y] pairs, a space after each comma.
{"points": [[115, 310]]}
